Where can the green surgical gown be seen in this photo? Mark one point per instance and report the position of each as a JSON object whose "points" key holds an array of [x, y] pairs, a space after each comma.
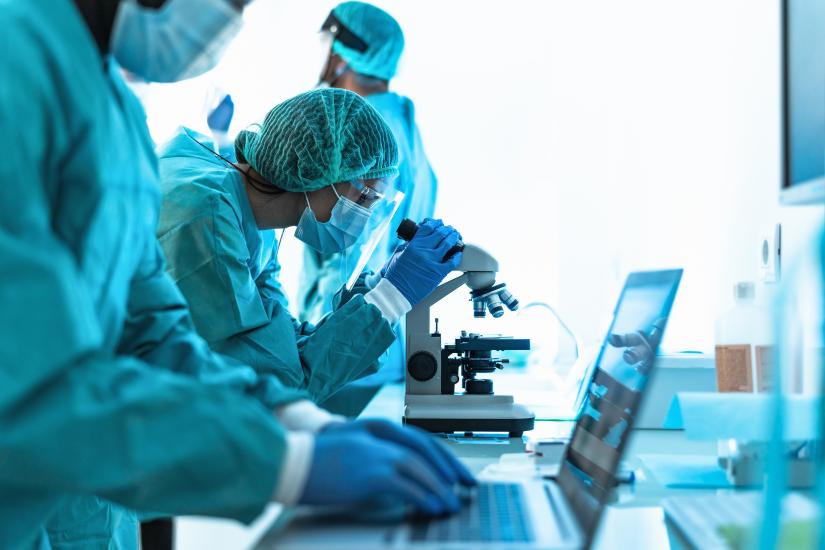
{"points": [[228, 271], [109, 401]]}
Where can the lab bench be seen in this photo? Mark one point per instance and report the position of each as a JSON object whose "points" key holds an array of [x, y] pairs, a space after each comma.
{"points": [[635, 520]]}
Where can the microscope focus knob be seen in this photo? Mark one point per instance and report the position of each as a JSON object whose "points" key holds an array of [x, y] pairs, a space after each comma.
{"points": [[422, 366]]}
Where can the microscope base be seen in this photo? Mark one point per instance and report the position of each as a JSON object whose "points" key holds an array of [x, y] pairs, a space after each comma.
{"points": [[468, 413], [514, 428]]}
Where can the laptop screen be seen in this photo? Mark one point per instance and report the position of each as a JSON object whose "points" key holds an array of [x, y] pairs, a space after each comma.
{"points": [[615, 391]]}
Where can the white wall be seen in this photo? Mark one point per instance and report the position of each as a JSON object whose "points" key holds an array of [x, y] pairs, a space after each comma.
{"points": [[665, 126], [575, 140]]}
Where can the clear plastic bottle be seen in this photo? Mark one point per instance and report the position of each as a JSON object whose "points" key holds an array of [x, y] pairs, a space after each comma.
{"points": [[743, 344]]}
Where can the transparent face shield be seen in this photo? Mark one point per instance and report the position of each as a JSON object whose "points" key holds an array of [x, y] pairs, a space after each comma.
{"points": [[333, 30], [325, 39], [382, 199]]}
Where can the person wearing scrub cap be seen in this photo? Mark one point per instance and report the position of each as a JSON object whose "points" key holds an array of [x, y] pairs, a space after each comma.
{"points": [[365, 47], [111, 405], [323, 162]]}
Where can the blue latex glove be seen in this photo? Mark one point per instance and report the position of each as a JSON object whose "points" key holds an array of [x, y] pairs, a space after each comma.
{"points": [[221, 117], [350, 466], [448, 467], [417, 269], [397, 252]]}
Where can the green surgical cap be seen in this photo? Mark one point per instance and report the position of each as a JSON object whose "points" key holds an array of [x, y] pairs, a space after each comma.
{"points": [[379, 30], [319, 138]]}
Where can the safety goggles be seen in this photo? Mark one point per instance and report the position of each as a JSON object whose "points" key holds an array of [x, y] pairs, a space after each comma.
{"points": [[367, 194]]}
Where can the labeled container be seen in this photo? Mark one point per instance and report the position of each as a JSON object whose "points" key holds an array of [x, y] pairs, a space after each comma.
{"points": [[744, 344]]}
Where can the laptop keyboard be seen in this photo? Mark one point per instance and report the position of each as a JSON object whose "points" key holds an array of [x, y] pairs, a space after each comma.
{"points": [[493, 512], [734, 509], [700, 516]]}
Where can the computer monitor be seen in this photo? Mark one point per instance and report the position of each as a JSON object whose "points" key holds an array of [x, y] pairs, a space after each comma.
{"points": [[803, 101]]}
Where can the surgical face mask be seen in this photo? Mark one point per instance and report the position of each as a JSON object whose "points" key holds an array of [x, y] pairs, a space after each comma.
{"points": [[345, 225], [181, 39]]}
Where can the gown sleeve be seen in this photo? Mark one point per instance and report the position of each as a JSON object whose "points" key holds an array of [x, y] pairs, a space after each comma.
{"points": [[247, 319], [75, 417]]}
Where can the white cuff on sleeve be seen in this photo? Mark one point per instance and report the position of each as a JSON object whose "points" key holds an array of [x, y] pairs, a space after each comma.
{"points": [[304, 416], [372, 279], [294, 468], [389, 301]]}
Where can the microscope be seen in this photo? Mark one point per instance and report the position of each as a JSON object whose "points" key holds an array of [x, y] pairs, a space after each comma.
{"points": [[431, 401]]}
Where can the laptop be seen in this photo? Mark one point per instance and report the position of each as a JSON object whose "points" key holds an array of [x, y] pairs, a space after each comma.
{"points": [[729, 520], [562, 513]]}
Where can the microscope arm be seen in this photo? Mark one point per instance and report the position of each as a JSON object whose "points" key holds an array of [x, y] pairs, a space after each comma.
{"points": [[479, 271], [442, 291], [418, 319]]}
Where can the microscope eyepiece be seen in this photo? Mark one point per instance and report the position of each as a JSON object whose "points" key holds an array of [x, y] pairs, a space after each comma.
{"points": [[407, 230]]}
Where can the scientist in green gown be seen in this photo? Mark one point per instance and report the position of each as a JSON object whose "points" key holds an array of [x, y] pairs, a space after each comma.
{"points": [[110, 404], [325, 162]]}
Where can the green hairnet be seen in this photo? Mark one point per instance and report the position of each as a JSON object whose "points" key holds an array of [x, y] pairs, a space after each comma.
{"points": [[319, 138], [379, 30]]}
